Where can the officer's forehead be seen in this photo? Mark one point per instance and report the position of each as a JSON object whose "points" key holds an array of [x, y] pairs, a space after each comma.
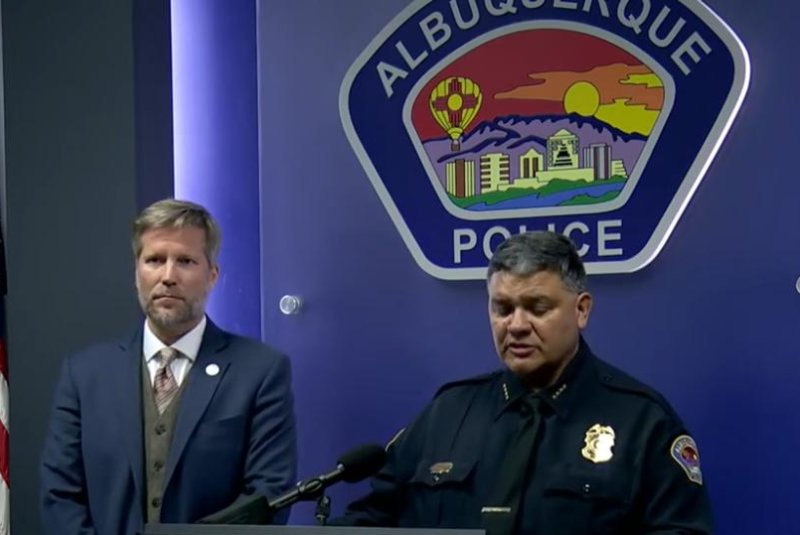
{"points": [[506, 284]]}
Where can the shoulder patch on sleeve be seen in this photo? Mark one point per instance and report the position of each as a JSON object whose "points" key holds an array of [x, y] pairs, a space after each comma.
{"points": [[684, 451]]}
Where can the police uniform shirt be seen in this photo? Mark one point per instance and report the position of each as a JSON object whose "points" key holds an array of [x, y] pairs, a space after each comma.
{"points": [[611, 457]]}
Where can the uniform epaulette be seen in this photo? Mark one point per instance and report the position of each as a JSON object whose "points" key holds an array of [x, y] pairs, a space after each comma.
{"points": [[616, 379], [478, 379]]}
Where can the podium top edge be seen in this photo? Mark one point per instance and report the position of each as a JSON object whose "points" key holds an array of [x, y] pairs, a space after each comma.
{"points": [[205, 529]]}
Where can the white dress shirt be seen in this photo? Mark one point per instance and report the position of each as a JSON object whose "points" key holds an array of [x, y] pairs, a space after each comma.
{"points": [[188, 346]]}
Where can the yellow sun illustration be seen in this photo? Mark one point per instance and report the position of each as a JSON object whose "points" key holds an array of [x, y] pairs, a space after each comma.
{"points": [[582, 98]]}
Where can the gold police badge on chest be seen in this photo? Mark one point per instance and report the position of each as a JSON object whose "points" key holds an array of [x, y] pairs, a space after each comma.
{"points": [[599, 441]]}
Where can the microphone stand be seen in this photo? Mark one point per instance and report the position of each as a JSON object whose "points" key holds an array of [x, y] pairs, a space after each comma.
{"points": [[354, 466], [323, 509], [308, 489]]}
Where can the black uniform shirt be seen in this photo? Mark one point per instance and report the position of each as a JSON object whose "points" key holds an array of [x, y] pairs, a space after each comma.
{"points": [[611, 458]]}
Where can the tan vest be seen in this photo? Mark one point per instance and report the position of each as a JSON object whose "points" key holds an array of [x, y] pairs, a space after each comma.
{"points": [[157, 440]]}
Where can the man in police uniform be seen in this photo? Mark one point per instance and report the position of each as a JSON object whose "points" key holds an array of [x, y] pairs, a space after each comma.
{"points": [[558, 443]]}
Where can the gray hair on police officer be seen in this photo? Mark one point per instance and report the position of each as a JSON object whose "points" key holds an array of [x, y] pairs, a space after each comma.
{"points": [[177, 214], [531, 252]]}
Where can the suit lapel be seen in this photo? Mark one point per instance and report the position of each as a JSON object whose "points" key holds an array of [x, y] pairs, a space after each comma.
{"points": [[127, 390], [198, 393]]}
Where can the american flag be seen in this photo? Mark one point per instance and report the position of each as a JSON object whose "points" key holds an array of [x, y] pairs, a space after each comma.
{"points": [[5, 517]]}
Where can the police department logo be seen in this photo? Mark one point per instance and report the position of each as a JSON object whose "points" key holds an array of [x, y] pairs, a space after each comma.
{"points": [[684, 452], [476, 119]]}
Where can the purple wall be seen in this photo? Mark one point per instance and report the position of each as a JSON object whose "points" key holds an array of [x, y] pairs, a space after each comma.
{"points": [[215, 116], [711, 323]]}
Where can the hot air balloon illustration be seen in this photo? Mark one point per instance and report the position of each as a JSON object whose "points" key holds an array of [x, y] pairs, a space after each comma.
{"points": [[454, 103]]}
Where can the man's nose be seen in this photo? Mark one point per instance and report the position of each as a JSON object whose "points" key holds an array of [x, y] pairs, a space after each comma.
{"points": [[519, 320], [169, 273]]}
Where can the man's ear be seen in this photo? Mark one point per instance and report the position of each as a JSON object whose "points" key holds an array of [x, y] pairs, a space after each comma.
{"points": [[214, 274], [583, 308]]}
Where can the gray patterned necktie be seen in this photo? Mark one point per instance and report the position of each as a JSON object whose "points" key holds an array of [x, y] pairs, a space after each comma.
{"points": [[164, 385]]}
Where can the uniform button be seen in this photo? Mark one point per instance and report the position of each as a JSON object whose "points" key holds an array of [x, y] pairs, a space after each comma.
{"points": [[436, 478], [161, 429], [158, 465], [587, 488], [155, 502]]}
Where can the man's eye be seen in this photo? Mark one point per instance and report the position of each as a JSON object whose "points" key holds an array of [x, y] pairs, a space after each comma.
{"points": [[502, 310], [540, 306]]}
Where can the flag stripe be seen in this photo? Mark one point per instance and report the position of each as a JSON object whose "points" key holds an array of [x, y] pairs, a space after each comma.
{"points": [[3, 359], [5, 524], [4, 457], [5, 518], [3, 428]]}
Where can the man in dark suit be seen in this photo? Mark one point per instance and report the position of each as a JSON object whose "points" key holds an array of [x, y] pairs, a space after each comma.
{"points": [[179, 419]]}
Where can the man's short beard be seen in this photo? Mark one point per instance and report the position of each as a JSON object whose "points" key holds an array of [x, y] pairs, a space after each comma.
{"points": [[170, 319]]}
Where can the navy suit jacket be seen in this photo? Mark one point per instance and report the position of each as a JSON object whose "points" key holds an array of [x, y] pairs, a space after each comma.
{"points": [[234, 435]]}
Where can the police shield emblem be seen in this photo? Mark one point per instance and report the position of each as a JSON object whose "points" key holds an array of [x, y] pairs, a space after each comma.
{"points": [[476, 119], [599, 443]]}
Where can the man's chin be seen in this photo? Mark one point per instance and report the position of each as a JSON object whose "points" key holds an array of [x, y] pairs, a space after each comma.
{"points": [[166, 320], [524, 369], [533, 371]]}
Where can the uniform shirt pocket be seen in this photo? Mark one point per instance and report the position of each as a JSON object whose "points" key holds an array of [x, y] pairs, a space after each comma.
{"points": [[588, 486], [580, 501], [442, 492]]}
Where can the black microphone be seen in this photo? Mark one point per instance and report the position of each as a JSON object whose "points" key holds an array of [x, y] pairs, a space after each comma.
{"points": [[355, 465]]}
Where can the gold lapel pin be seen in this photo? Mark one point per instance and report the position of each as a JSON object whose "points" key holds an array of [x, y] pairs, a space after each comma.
{"points": [[440, 468]]}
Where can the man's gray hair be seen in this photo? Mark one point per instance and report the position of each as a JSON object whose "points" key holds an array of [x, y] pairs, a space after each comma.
{"points": [[531, 252], [175, 214]]}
